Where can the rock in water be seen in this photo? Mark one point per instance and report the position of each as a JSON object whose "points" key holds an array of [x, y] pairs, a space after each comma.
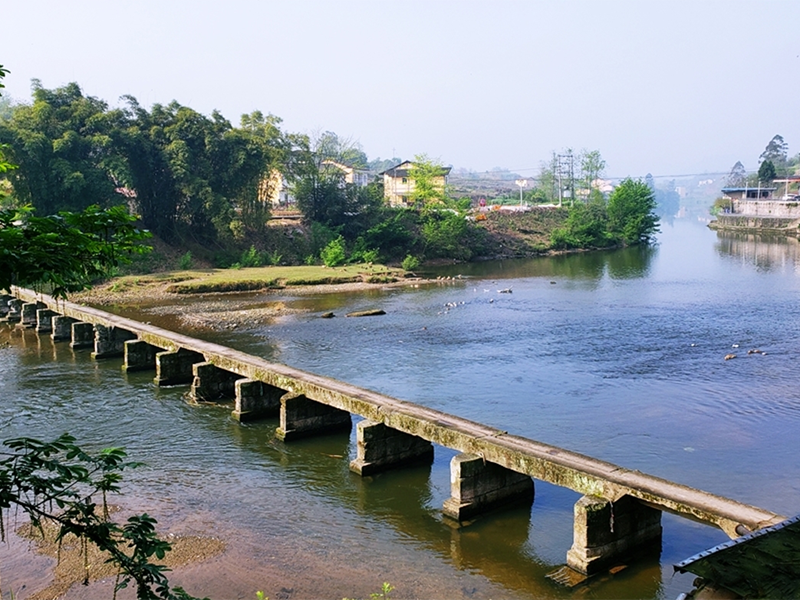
{"points": [[366, 313]]}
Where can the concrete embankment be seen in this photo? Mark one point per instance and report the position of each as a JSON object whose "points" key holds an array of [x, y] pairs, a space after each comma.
{"points": [[757, 224]]}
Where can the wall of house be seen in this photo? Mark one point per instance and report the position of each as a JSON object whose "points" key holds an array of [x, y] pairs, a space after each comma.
{"points": [[395, 188], [767, 208]]}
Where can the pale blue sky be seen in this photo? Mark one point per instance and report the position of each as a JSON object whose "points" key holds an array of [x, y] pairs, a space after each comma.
{"points": [[668, 87]]}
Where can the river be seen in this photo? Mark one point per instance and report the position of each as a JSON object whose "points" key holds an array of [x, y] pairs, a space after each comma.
{"points": [[618, 355]]}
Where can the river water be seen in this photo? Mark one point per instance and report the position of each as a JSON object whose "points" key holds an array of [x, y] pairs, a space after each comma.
{"points": [[618, 355]]}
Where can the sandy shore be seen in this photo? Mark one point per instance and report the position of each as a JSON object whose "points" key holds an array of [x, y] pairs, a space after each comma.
{"points": [[227, 310]]}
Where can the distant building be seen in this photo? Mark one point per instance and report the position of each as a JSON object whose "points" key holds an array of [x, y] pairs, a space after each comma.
{"points": [[398, 186], [359, 177], [748, 193], [275, 190]]}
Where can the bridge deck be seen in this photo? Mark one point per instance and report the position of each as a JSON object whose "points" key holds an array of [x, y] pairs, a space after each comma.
{"points": [[555, 465]]}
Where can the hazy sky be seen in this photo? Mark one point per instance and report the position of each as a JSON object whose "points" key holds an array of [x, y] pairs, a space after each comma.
{"points": [[663, 86]]}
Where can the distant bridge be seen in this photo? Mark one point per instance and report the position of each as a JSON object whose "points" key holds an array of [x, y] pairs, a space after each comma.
{"points": [[619, 512]]}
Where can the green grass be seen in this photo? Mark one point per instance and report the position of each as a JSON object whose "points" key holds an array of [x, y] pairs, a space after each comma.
{"points": [[256, 278]]}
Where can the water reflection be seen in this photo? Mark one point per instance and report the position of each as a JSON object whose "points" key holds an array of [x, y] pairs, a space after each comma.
{"points": [[764, 252], [623, 263]]}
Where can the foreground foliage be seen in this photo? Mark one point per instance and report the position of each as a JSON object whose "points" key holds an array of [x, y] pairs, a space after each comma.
{"points": [[59, 482], [66, 252]]}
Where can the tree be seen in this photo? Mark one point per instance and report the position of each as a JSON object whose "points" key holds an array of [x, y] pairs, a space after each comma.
{"points": [[738, 176], [67, 252], [429, 182], [766, 172], [586, 227], [592, 168], [37, 477], [631, 216], [62, 146], [668, 201], [776, 151], [548, 179]]}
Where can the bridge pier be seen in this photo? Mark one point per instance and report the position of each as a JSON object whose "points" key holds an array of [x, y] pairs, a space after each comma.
{"points": [[478, 486], [175, 367], [44, 320], [82, 335], [61, 328], [254, 399], [14, 311], [4, 298], [139, 356], [109, 341], [211, 383], [606, 531], [28, 314], [301, 417], [381, 448]]}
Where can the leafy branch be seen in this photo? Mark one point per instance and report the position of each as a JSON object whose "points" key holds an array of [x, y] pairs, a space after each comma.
{"points": [[58, 482]]}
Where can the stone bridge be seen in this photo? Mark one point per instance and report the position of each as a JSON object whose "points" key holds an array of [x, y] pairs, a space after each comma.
{"points": [[619, 512]]}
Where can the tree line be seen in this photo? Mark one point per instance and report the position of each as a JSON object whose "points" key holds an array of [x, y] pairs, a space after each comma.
{"points": [[198, 181]]}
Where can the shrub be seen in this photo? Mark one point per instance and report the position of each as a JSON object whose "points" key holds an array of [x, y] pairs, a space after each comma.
{"points": [[334, 253], [185, 262], [410, 263], [250, 258]]}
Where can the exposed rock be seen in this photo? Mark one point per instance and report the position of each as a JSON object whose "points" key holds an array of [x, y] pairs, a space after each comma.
{"points": [[366, 313], [327, 315]]}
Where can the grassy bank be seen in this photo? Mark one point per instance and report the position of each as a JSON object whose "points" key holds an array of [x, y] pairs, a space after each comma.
{"points": [[257, 278]]}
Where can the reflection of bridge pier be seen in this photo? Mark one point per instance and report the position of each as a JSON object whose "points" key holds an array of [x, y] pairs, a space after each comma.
{"points": [[619, 512]]}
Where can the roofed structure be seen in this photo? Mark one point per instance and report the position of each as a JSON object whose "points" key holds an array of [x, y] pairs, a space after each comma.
{"points": [[398, 183]]}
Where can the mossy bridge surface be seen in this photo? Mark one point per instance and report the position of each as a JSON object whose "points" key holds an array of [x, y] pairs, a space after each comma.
{"points": [[619, 512]]}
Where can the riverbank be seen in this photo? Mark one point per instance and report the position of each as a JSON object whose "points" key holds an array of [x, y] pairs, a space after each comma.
{"points": [[221, 299]]}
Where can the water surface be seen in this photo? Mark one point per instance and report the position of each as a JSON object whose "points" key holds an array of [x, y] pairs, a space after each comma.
{"points": [[619, 355]]}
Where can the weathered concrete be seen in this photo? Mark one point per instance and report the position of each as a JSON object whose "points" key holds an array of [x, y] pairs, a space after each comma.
{"points": [[14, 311], [139, 356], [212, 384], [255, 399], [301, 417], [555, 465], [62, 328], [82, 335], [767, 208], [28, 314], [755, 224], [109, 341], [44, 320], [4, 298], [477, 486], [176, 367], [381, 448], [606, 531]]}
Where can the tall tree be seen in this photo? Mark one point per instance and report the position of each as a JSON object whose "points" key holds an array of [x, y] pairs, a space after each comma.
{"points": [[62, 146], [737, 177], [777, 152], [592, 168], [766, 172]]}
